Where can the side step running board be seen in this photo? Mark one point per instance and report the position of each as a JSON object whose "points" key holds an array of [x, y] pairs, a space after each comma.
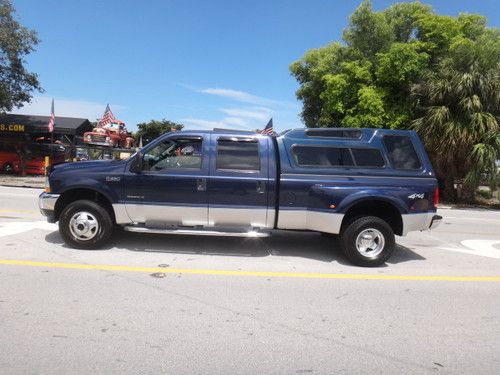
{"points": [[199, 232]]}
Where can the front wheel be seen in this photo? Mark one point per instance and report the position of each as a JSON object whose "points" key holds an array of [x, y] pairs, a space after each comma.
{"points": [[368, 241], [84, 224]]}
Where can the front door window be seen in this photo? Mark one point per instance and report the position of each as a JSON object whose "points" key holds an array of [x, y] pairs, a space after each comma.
{"points": [[173, 154]]}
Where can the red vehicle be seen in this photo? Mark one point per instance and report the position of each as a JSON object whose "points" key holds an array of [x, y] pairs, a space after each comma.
{"points": [[113, 134], [36, 165], [9, 161], [31, 157], [34, 162]]}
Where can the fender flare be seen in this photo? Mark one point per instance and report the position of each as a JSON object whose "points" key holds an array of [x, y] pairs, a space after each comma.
{"points": [[87, 187], [364, 196]]}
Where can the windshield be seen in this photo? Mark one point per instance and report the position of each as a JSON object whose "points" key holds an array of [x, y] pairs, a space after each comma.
{"points": [[113, 125]]}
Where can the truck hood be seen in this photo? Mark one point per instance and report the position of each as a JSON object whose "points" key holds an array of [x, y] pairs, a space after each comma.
{"points": [[86, 165]]}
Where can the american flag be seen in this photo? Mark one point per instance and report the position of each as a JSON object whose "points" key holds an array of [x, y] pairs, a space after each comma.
{"points": [[268, 130], [107, 118], [52, 119]]}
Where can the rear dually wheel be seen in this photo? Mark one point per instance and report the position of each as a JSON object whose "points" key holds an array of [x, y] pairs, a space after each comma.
{"points": [[368, 241]]}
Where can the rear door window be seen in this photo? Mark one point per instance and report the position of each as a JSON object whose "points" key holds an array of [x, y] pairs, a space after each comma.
{"points": [[238, 155], [401, 152], [322, 157]]}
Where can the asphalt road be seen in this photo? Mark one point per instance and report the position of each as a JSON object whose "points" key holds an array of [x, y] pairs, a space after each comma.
{"points": [[289, 304]]}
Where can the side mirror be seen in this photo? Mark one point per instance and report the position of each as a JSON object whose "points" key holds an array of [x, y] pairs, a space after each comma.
{"points": [[136, 166]]}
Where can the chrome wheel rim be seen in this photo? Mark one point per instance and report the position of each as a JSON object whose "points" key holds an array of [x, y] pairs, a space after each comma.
{"points": [[83, 226], [370, 242]]}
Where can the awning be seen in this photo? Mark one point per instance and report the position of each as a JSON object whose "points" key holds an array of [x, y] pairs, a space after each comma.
{"points": [[11, 124]]}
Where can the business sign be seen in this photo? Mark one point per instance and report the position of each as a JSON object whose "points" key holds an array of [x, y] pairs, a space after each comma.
{"points": [[18, 128]]}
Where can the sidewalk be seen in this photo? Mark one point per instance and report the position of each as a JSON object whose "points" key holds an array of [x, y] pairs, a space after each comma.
{"points": [[37, 182]]}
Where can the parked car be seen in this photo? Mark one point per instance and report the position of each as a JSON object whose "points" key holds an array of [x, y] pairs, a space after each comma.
{"points": [[366, 185]]}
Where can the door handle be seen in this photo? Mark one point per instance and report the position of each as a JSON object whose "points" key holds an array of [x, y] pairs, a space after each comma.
{"points": [[201, 184], [261, 187]]}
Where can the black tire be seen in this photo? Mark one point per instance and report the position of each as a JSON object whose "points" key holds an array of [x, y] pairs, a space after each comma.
{"points": [[383, 243], [8, 168], [96, 214]]}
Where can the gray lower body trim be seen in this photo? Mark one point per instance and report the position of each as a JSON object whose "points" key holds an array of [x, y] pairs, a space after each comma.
{"points": [[327, 222], [194, 216], [238, 217], [121, 214], [271, 216], [416, 222], [173, 215]]}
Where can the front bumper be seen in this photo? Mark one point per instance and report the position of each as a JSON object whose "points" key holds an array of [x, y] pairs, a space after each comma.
{"points": [[47, 205], [97, 143]]}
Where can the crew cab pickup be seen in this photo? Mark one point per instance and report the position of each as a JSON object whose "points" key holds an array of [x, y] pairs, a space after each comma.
{"points": [[366, 185]]}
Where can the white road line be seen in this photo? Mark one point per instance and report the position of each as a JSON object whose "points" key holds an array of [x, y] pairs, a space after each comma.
{"points": [[10, 229], [484, 248]]}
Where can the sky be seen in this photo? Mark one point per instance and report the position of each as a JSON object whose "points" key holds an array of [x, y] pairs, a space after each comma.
{"points": [[205, 64]]}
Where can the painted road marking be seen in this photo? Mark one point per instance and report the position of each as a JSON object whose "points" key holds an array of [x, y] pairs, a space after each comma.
{"points": [[484, 248], [80, 266], [10, 229]]}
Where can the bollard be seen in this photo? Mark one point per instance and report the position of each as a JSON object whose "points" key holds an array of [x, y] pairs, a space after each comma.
{"points": [[47, 163]]}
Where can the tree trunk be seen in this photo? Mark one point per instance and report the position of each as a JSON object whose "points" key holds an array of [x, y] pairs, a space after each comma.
{"points": [[468, 194], [448, 191]]}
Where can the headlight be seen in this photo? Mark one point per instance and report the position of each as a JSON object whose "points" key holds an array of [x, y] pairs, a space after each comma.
{"points": [[108, 139]]}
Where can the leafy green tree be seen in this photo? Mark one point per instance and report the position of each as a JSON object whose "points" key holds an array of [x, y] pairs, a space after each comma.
{"points": [[459, 108], [369, 32], [407, 63], [16, 41], [154, 128], [310, 72], [380, 59]]}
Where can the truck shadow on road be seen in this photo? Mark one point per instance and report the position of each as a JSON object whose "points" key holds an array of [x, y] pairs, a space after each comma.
{"points": [[295, 244]]}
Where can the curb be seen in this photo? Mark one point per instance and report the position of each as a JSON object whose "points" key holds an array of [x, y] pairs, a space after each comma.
{"points": [[23, 186]]}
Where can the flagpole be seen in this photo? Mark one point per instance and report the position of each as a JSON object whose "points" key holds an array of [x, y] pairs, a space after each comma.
{"points": [[52, 122], [52, 133]]}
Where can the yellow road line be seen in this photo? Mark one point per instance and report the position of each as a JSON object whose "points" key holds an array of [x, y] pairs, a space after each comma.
{"points": [[247, 273]]}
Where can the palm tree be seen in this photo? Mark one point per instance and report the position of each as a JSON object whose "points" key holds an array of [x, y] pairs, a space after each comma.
{"points": [[459, 107]]}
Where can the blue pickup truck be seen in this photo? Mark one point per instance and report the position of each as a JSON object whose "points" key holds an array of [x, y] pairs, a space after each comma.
{"points": [[366, 185]]}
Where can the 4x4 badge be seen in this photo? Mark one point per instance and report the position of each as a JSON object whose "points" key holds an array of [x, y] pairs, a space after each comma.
{"points": [[415, 196]]}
